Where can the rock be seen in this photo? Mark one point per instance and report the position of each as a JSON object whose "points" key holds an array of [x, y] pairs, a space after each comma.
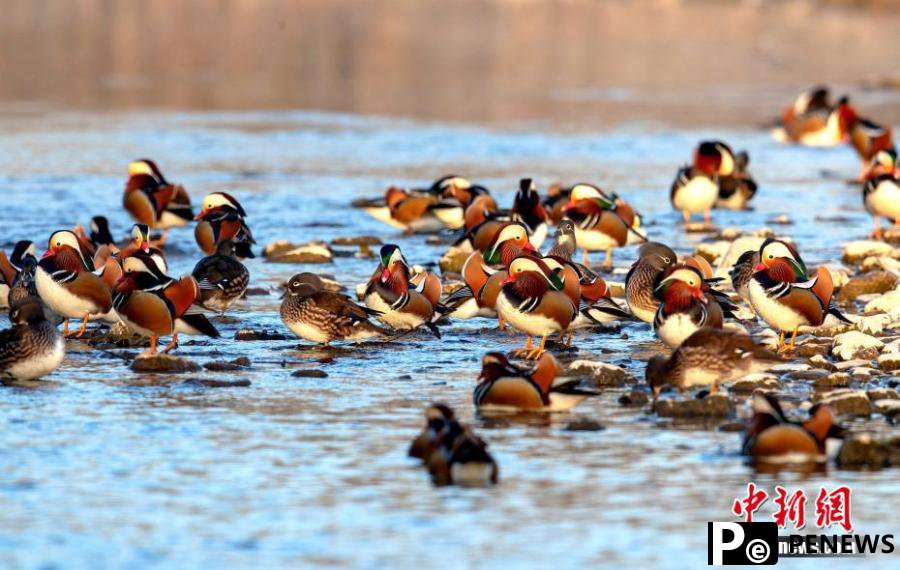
{"points": [[751, 382], [616, 289], [713, 405], [241, 363], [256, 292], [358, 240], [700, 228], [819, 361], [873, 324], [283, 251], [864, 450], [863, 373], [889, 362], [846, 402], [309, 374], [883, 394], [601, 373], [634, 398], [856, 251], [868, 283], [790, 367], [712, 252], [729, 234], [207, 383], [833, 380], [453, 259], [892, 347], [856, 345], [584, 424], [250, 334], [814, 374], [884, 303], [734, 251], [811, 349], [781, 219], [164, 364], [852, 364], [880, 263]]}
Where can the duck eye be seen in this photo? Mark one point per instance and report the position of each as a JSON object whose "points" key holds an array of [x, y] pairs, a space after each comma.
{"points": [[295, 284], [771, 256]]}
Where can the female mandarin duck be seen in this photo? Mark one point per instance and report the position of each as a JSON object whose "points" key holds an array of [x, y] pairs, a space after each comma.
{"points": [[389, 292], [152, 200], [505, 386], [33, 347], [771, 437], [533, 301], [223, 218], [602, 222], [66, 283], [784, 296]]}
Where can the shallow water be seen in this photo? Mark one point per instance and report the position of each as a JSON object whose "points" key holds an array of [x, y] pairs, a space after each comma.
{"points": [[103, 467]]}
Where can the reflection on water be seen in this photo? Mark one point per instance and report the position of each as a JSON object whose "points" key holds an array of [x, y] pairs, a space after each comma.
{"points": [[575, 62], [100, 465]]}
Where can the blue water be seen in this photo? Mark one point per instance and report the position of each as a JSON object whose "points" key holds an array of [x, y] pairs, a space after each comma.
{"points": [[101, 467]]}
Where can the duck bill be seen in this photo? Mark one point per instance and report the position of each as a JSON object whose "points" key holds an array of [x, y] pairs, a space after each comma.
{"points": [[201, 215], [49, 253], [760, 267], [698, 294], [508, 281]]}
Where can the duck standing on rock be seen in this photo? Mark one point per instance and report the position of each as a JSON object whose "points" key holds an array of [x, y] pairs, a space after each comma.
{"points": [[65, 282], [696, 187], [223, 218], [784, 296], [643, 277], [222, 279], [152, 200], [322, 316], [602, 222], [388, 292], [686, 304], [881, 190], [527, 209], [533, 301], [707, 357], [33, 347]]}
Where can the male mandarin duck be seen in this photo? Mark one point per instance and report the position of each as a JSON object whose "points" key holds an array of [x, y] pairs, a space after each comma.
{"points": [[527, 209], [555, 202], [389, 292], [223, 218], [505, 386], [312, 312], [687, 303], [222, 279], [602, 222], [881, 190], [783, 294], [770, 436], [532, 300], [32, 347], [66, 283], [864, 135], [154, 304], [696, 187], [707, 357], [809, 120], [152, 200], [461, 458], [438, 419], [483, 273], [737, 188]]}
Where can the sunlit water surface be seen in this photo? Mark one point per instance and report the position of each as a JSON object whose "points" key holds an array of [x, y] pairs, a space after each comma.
{"points": [[100, 467]]}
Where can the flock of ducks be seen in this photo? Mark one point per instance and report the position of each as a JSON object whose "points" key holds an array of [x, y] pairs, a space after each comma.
{"points": [[87, 276]]}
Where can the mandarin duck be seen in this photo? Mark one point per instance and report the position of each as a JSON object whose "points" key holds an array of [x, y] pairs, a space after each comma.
{"points": [[687, 303], [222, 279], [696, 187], [316, 314], [66, 283], [881, 190], [707, 357], [770, 436], [152, 200], [505, 386], [32, 347], [809, 120], [223, 218], [390, 293], [438, 418], [643, 277], [783, 294], [602, 222], [532, 300]]}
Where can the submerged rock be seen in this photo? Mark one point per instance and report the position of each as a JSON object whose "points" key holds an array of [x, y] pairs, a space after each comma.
{"points": [[584, 424], [453, 259], [602, 373], [250, 334], [833, 380], [866, 451], [819, 361], [309, 374], [164, 363], [208, 383], [283, 251], [713, 405], [634, 398], [358, 240], [856, 345], [241, 363]]}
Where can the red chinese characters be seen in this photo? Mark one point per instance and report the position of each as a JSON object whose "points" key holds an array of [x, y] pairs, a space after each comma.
{"points": [[834, 508], [790, 508], [749, 505]]}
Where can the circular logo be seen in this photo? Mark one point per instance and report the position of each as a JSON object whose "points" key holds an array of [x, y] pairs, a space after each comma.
{"points": [[758, 551]]}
